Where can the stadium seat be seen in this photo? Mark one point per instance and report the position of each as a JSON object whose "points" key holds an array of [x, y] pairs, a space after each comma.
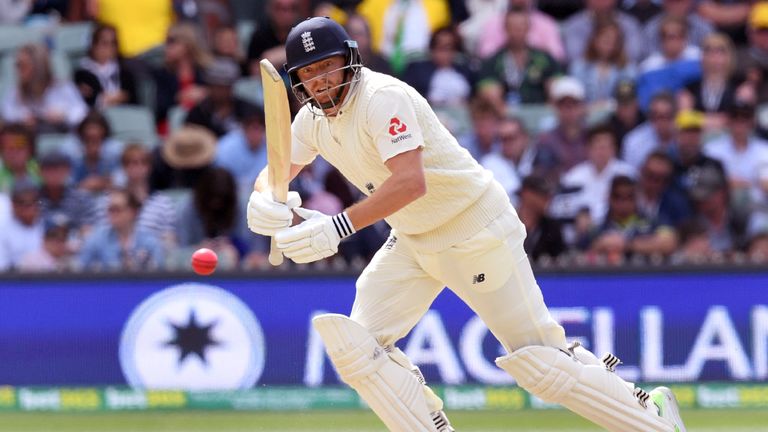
{"points": [[48, 142], [250, 89], [176, 116], [245, 30], [12, 37], [73, 39], [132, 123], [536, 117]]}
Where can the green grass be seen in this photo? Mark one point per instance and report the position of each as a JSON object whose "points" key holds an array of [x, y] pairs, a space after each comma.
{"points": [[354, 421]]}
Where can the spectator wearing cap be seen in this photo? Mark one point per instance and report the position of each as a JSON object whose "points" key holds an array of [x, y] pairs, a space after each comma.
{"points": [[58, 196], [698, 27], [627, 114], [543, 34], [514, 159], [544, 234], [54, 253], [24, 232], [709, 192], [120, 245], [656, 133], [565, 146], [578, 27], [744, 157], [517, 74], [102, 77], [592, 177], [626, 232], [97, 156], [715, 91], [17, 149], [40, 100], [604, 63], [752, 60], [182, 158], [243, 151], [687, 154], [220, 112]]}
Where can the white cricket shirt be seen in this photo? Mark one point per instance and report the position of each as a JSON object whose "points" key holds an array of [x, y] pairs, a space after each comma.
{"points": [[382, 117]]}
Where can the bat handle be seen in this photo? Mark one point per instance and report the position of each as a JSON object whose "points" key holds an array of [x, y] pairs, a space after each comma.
{"points": [[275, 256]]}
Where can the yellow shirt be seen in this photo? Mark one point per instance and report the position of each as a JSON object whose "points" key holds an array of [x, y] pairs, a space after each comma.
{"points": [[141, 24]]}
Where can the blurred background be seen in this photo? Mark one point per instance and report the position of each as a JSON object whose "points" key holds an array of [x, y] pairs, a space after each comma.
{"points": [[630, 136]]}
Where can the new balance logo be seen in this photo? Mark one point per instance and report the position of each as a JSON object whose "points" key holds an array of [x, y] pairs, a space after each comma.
{"points": [[478, 278], [307, 41]]}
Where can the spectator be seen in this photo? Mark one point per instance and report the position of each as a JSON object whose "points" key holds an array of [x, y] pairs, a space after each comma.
{"points": [[698, 27], [626, 232], [184, 156], [54, 253], [39, 100], [627, 115], [543, 34], [641, 10], [211, 216], [744, 157], [566, 145], [657, 199], [158, 211], [24, 233], [657, 133], [226, 44], [221, 111], [752, 61], [757, 248], [180, 80], [514, 159], [243, 152], [728, 16], [673, 67], [578, 27], [141, 24], [17, 148], [726, 228], [604, 63], [268, 41], [359, 31], [517, 74], [687, 155], [715, 91], [120, 244], [545, 237], [102, 77], [592, 178], [695, 246], [58, 196], [98, 156], [483, 136]]}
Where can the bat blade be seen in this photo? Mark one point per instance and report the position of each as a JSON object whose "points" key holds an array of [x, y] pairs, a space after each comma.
{"points": [[278, 126]]}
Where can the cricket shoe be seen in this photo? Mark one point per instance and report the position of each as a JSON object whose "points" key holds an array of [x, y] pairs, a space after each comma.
{"points": [[441, 422], [668, 409]]}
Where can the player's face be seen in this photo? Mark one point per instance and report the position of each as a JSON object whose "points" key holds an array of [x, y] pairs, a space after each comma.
{"points": [[324, 79]]}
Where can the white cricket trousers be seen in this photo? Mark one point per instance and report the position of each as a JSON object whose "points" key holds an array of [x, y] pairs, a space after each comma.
{"points": [[490, 272]]}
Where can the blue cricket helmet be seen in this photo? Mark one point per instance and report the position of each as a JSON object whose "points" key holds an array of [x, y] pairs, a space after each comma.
{"points": [[315, 39]]}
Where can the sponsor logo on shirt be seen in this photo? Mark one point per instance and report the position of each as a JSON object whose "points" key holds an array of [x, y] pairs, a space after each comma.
{"points": [[397, 127]]}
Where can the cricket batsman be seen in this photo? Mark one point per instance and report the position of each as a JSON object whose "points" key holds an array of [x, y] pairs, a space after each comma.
{"points": [[452, 225]]}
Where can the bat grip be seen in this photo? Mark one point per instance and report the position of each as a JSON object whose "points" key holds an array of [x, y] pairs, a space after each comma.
{"points": [[275, 256]]}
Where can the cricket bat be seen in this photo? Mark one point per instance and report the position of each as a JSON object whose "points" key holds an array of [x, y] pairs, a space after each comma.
{"points": [[278, 124]]}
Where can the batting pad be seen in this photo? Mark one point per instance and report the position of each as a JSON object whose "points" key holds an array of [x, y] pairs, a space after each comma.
{"points": [[394, 393], [589, 390]]}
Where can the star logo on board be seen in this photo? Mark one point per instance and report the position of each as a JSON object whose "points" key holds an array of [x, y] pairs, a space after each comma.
{"points": [[307, 41], [396, 127], [192, 338]]}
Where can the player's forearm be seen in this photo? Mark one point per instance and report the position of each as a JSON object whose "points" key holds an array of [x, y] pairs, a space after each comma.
{"points": [[394, 194]]}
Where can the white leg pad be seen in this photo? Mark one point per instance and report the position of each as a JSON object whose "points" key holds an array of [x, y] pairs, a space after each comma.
{"points": [[393, 392], [589, 390]]}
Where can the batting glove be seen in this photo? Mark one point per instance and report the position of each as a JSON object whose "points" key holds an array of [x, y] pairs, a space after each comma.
{"points": [[316, 238], [266, 216]]}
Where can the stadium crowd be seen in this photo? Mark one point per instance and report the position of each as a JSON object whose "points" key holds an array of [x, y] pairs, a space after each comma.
{"points": [[623, 131]]}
